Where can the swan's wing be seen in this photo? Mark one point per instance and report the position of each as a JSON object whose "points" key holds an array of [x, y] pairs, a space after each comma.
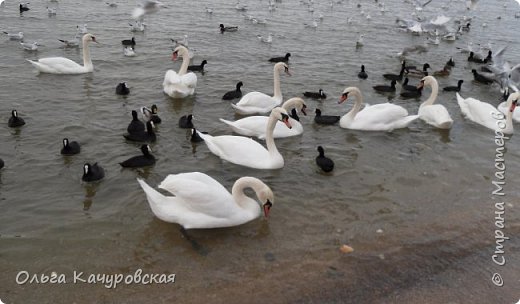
{"points": [[477, 110], [189, 80], [173, 84], [249, 126], [384, 113], [171, 77], [57, 65], [436, 115], [192, 185], [190, 214], [257, 99], [60, 62], [200, 193], [165, 208], [238, 150], [250, 110]]}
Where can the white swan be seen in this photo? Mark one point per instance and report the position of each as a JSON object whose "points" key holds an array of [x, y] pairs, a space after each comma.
{"points": [[247, 152], [434, 114], [256, 102], [202, 202], [487, 115], [181, 84], [379, 117], [61, 65], [256, 125]]}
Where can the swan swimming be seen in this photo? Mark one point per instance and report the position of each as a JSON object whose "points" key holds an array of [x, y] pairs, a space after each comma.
{"points": [[61, 65], [487, 115], [379, 117], [256, 102], [245, 151], [200, 201], [180, 84], [256, 125], [434, 114]]}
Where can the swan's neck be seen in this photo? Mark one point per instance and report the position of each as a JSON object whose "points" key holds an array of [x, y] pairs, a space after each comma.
{"points": [[269, 139], [242, 200], [277, 90], [185, 64], [433, 96], [509, 117], [87, 61], [290, 104], [357, 105]]}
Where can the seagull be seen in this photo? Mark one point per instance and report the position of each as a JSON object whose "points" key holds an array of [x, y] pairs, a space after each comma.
{"points": [[30, 46], [15, 36], [83, 29], [360, 41], [209, 10], [129, 52], [71, 43], [111, 4], [269, 38], [137, 26], [51, 11], [146, 7]]}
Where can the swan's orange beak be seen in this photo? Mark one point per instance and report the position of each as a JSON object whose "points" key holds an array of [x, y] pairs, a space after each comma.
{"points": [[94, 39], [513, 106], [267, 208], [285, 120], [420, 85], [174, 56], [343, 98]]}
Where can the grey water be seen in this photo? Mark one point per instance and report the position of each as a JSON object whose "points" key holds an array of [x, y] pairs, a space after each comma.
{"points": [[415, 204]]}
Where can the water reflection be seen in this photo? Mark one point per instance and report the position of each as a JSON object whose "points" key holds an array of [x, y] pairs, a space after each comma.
{"points": [[444, 135], [90, 192]]}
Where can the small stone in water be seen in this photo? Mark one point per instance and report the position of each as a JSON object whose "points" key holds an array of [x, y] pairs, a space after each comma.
{"points": [[379, 230], [346, 248]]}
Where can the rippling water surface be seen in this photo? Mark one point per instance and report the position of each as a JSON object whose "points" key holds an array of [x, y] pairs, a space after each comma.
{"points": [[415, 204]]}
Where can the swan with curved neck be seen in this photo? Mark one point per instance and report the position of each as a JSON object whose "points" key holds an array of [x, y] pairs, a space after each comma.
{"points": [[256, 102], [487, 115], [62, 65], [434, 114], [245, 151], [379, 117], [256, 125], [180, 84], [200, 201]]}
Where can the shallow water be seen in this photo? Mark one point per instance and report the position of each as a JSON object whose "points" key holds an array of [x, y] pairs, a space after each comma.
{"points": [[428, 191]]}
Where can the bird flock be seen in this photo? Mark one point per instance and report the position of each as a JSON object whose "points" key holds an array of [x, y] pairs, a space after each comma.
{"points": [[198, 200]]}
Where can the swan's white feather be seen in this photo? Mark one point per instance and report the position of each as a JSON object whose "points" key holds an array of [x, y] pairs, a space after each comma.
{"points": [[58, 65], [256, 126], [478, 111], [241, 151], [257, 102], [379, 117], [436, 115], [199, 202], [179, 86]]}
